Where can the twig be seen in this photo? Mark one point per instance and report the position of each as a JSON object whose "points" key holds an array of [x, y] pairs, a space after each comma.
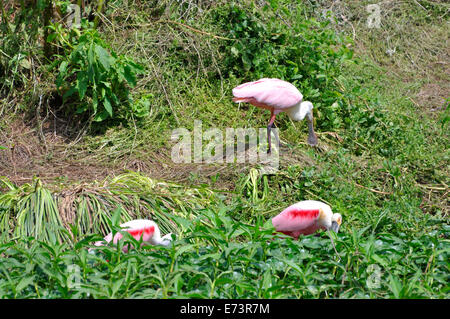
{"points": [[165, 92], [432, 188], [414, 102], [134, 139], [351, 24], [345, 274], [333, 134], [13, 158], [420, 5], [373, 190], [359, 144], [429, 263], [99, 9], [1, 51]]}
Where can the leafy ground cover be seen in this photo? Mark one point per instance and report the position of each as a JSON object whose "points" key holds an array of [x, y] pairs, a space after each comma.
{"points": [[218, 257]]}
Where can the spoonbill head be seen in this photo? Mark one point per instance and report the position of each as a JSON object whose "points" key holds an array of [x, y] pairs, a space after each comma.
{"points": [[336, 222], [306, 217]]}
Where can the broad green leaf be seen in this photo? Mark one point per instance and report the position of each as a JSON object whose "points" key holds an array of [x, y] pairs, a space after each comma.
{"points": [[63, 67], [82, 83], [113, 97], [25, 63], [116, 285], [104, 57], [115, 219], [184, 248], [136, 67], [91, 74], [101, 116], [81, 109], [51, 37], [395, 285], [24, 282], [91, 58], [107, 105], [129, 76]]}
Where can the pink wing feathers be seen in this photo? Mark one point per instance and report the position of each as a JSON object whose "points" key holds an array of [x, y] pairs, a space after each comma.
{"points": [[300, 218], [135, 228], [295, 218], [271, 92], [146, 232]]}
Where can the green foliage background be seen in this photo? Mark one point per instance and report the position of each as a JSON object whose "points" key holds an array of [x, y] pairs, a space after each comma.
{"points": [[148, 67]]}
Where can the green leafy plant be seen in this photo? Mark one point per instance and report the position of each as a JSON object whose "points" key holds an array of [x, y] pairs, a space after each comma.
{"points": [[382, 164], [218, 257], [92, 75]]}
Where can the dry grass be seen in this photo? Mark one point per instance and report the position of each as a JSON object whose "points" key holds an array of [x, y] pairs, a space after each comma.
{"points": [[412, 43]]}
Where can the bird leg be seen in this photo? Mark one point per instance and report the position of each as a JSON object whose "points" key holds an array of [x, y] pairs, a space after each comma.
{"points": [[312, 137], [269, 127]]}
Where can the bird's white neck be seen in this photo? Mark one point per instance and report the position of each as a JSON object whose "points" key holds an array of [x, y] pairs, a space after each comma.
{"points": [[325, 218], [300, 110]]}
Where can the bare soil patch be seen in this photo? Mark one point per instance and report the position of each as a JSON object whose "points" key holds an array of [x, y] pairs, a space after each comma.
{"points": [[49, 154]]}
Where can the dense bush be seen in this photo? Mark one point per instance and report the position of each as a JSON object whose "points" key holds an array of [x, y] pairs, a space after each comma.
{"points": [[307, 53], [88, 67]]}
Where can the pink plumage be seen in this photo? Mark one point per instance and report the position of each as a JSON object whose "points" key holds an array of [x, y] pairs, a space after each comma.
{"points": [[306, 217], [274, 93], [147, 229], [277, 96]]}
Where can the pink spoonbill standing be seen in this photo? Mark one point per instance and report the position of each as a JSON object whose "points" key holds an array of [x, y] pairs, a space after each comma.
{"points": [[147, 229], [277, 96], [306, 217]]}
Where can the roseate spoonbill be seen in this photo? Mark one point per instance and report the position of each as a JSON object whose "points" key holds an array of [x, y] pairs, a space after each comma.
{"points": [[147, 229], [277, 96], [305, 218]]}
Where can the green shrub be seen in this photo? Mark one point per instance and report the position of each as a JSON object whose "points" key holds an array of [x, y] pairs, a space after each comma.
{"points": [[91, 75]]}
